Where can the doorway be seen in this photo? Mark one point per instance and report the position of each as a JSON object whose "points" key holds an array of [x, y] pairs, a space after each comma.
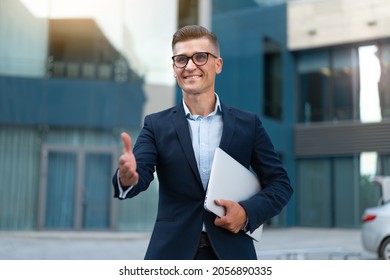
{"points": [[75, 188]]}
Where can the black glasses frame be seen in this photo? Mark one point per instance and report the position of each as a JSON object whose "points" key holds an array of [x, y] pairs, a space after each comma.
{"points": [[192, 58]]}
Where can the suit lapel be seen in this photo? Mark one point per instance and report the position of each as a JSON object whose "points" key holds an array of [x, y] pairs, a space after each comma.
{"points": [[183, 133], [229, 122], [182, 130]]}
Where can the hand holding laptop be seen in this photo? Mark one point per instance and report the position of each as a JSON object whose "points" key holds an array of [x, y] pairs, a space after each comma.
{"points": [[230, 181], [234, 219]]}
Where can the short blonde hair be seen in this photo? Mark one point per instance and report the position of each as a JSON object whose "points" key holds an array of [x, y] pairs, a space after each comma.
{"points": [[190, 32]]}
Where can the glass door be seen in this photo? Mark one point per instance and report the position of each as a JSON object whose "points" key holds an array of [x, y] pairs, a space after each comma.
{"points": [[75, 189]]}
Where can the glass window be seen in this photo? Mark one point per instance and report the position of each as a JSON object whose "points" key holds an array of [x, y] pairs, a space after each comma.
{"points": [[315, 192], [61, 177], [344, 81], [78, 48], [272, 79], [383, 167], [369, 78], [338, 189], [328, 85], [314, 81], [369, 192], [384, 82]]}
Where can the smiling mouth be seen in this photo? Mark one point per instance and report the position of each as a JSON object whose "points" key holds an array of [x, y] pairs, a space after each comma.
{"points": [[192, 77]]}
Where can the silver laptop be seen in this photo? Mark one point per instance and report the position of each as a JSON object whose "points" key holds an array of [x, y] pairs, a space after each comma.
{"points": [[230, 180]]}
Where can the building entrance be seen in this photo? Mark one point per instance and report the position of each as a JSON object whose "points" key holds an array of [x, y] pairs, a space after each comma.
{"points": [[75, 188]]}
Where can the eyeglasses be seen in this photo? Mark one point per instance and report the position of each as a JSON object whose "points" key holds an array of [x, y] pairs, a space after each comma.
{"points": [[199, 59]]}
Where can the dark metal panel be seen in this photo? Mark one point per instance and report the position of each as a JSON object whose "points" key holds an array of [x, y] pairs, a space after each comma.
{"points": [[76, 103], [347, 138]]}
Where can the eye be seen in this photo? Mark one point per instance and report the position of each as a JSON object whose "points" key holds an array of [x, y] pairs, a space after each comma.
{"points": [[181, 59], [200, 57]]}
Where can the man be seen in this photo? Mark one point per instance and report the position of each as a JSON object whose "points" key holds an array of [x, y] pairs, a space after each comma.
{"points": [[179, 144]]}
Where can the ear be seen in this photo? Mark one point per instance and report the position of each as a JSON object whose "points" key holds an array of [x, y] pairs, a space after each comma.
{"points": [[218, 65], [173, 71]]}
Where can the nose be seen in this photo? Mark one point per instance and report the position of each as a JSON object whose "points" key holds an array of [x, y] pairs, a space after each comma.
{"points": [[190, 64]]}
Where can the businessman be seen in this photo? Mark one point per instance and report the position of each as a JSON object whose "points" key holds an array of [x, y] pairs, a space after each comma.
{"points": [[179, 143]]}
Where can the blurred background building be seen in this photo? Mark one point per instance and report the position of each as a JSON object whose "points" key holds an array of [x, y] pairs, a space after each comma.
{"points": [[75, 74]]}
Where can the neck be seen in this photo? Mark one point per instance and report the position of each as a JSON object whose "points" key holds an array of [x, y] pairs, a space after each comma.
{"points": [[200, 104]]}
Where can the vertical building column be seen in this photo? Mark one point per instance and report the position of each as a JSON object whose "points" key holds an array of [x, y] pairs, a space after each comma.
{"points": [[204, 13]]}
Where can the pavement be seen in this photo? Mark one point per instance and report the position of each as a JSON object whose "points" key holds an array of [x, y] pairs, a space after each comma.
{"points": [[276, 243]]}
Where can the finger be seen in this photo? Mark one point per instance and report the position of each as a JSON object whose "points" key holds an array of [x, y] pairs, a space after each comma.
{"points": [[124, 163], [222, 202], [135, 178], [126, 142], [227, 224], [129, 179]]}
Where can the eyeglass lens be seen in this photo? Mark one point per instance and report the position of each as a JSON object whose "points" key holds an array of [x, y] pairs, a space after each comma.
{"points": [[198, 58]]}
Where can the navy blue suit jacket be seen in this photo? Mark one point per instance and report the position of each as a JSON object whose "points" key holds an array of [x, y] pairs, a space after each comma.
{"points": [[164, 145]]}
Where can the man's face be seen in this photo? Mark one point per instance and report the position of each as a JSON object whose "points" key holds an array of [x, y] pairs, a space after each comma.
{"points": [[194, 79]]}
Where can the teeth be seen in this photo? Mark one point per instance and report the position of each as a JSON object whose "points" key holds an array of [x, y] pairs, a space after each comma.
{"points": [[193, 77]]}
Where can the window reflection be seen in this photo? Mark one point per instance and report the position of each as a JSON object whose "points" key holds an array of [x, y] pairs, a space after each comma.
{"points": [[272, 79], [369, 78], [384, 83], [344, 63], [348, 83], [314, 82], [368, 164]]}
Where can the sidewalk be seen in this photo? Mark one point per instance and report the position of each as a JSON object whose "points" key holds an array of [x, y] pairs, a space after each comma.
{"points": [[283, 243]]}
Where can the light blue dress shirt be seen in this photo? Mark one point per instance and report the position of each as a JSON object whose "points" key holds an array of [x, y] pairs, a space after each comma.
{"points": [[206, 133]]}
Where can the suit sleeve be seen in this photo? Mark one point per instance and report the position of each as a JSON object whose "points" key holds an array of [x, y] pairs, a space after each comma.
{"points": [[276, 188], [146, 156]]}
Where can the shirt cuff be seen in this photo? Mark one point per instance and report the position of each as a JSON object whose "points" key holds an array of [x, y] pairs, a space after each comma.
{"points": [[245, 228], [122, 193]]}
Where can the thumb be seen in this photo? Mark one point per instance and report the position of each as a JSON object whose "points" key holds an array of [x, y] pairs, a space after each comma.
{"points": [[126, 142], [221, 202], [227, 204]]}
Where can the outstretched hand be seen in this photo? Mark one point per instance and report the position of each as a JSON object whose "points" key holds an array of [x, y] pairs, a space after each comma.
{"points": [[235, 217], [127, 164]]}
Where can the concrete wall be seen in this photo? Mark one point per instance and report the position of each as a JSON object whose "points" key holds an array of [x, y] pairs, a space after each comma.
{"points": [[321, 23]]}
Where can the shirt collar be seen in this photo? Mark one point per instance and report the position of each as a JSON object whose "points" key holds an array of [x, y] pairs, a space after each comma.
{"points": [[217, 108]]}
